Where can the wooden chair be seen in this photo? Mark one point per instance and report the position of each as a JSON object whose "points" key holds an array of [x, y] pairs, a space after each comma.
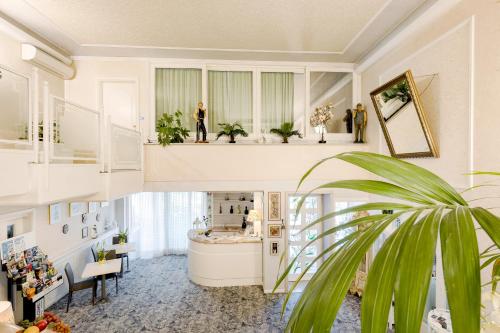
{"points": [[75, 286]]}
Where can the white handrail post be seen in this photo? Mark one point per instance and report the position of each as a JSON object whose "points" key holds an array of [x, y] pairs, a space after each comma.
{"points": [[46, 123], [35, 129], [101, 134], [110, 143]]}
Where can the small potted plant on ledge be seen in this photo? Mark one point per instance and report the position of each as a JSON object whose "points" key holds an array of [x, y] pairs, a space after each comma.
{"points": [[286, 131], [170, 129], [232, 131]]}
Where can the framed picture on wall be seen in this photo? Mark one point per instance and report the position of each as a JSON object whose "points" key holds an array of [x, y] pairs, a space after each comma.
{"points": [[274, 248], [76, 208], [93, 206], [274, 231], [274, 206], [55, 213], [85, 232]]}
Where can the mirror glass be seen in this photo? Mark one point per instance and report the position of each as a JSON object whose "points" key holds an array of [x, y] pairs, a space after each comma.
{"points": [[333, 88], [402, 118]]}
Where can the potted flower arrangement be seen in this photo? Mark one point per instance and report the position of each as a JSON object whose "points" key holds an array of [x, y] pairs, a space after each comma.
{"points": [[170, 129], [232, 131], [101, 253], [320, 117], [286, 131], [122, 237]]}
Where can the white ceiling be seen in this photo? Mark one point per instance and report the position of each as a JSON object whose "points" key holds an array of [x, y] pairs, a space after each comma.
{"points": [[323, 30]]}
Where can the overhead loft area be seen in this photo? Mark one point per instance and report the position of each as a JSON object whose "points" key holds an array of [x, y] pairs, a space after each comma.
{"points": [[78, 154]]}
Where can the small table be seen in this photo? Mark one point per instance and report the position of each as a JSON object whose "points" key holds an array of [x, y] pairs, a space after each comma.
{"points": [[121, 249], [96, 269]]}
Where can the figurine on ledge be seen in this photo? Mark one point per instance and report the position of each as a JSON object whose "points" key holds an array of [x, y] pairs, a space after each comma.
{"points": [[199, 115], [359, 116]]}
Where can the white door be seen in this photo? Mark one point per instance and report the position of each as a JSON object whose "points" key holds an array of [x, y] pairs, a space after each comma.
{"points": [[119, 100], [310, 211]]}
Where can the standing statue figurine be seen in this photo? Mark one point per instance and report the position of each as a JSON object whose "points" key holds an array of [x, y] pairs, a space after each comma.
{"points": [[359, 116], [348, 120], [199, 115]]}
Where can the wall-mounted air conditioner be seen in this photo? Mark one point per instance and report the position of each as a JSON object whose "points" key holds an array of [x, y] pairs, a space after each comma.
{"points": [[39, 57]]}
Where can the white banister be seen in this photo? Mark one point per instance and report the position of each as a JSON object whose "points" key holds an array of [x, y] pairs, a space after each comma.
{"points": [[35, 117]]}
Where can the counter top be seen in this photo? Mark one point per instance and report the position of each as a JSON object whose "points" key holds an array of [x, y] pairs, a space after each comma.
{"points": [[222, 236]]}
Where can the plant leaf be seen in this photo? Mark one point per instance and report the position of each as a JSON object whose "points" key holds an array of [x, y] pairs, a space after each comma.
{"points": [[414, 274], [489, 222], [461, 270], [377, 297], [321, 300]]}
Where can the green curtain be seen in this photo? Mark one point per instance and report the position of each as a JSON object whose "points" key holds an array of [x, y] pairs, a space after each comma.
{"points": [[277, 99], [230, 99], [178, 89]]}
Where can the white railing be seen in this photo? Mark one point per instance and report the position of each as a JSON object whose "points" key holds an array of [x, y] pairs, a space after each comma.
{"points": [[125, 151], [73, 134], [15, 110]]}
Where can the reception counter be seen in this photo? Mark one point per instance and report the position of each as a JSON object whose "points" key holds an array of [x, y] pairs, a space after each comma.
{"points": [[224, 258]]}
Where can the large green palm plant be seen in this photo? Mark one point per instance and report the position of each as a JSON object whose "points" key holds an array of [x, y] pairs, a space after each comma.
{"points": [[402, 268]]}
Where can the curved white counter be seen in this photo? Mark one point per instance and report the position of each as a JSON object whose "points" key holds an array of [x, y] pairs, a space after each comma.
{"points": [[224, 259]]}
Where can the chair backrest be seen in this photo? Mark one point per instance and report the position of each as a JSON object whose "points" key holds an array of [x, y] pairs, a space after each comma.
{"points": [[69, 275], [111, 255], [94, 253], [116, 240]]}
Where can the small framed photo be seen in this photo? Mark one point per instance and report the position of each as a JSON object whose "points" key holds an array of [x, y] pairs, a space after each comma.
{"points": [[274, 248], [274, 231], [274, 206], [85, 232], [76, 208], [55, 213], [93, 206]]}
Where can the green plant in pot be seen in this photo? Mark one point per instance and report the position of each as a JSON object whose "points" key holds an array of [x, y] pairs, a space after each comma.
{"points": [[170, 130], [428, 207], [101, 253], [122, 236], [286, 131], [231, 131]]}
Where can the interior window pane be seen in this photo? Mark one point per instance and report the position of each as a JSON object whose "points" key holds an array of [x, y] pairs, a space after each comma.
{"points": [[178, 89], [277, 99], [230, 99]]}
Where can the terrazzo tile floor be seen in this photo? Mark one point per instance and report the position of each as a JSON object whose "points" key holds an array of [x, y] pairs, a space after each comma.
{"points": [[157, 296]]}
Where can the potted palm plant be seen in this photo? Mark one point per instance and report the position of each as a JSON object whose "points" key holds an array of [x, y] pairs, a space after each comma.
{"points": [[286, 131], [231, 130], [401, 271], [123, 236]]}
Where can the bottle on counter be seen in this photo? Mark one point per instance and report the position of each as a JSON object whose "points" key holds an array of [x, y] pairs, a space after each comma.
{"points": [[231, 210], [220, 208], [246, 210], [244, 224]]}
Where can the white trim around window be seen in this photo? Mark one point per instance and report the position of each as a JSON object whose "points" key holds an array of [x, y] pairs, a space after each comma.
{"points": [[256, 69]]}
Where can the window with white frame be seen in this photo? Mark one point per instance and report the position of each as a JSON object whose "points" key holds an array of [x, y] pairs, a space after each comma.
{"points": [[178, 89], [230, 99]]}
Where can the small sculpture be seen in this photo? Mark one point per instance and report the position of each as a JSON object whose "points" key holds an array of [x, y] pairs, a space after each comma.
{"points": [[348, 120], [199, 115], [359, 116]]}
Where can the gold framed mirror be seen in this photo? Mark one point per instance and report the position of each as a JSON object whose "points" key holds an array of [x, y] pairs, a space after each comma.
{"points": [[403, 119]]}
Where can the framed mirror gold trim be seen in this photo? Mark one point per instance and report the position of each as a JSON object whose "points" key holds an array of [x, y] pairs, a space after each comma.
{"points": [[399, 109]]}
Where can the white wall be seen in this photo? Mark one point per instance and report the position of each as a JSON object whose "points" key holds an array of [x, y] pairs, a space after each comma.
{"points": [[462, 102]]}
